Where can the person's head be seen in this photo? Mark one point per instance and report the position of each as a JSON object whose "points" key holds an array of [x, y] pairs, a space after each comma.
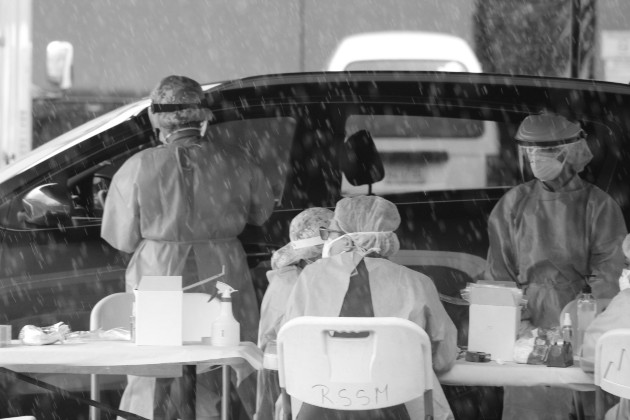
{"points": [[306, 244], [555, 147], [177, 102], [365, 223]]}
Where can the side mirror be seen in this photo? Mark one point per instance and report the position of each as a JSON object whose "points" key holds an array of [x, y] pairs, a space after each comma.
{"points": [[360, 161], [48, 205], [59, 56]]}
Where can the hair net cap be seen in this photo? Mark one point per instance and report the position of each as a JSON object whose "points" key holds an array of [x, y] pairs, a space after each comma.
{"points": [[625, 246], [303, 226], [179, 90], [543, 129], [370, 221]]}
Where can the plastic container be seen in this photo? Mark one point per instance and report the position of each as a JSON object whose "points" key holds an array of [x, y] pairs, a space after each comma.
{"points": [[586, 311]]}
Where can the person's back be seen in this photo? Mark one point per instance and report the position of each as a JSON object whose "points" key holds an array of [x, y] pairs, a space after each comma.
{"points": [[348, 283]]}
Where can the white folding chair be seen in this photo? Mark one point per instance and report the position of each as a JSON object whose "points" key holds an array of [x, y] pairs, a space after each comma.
{"points": [[389, 365], [114, 311], [612, 362]]}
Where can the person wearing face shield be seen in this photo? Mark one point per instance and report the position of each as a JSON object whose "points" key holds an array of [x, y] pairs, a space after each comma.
{"points": [[287, 264], [178, 208], [355, 279], [547, 235]]}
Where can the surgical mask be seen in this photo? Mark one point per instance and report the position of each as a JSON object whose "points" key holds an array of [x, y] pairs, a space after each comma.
{"points": [[546, 168], [328, 244]]}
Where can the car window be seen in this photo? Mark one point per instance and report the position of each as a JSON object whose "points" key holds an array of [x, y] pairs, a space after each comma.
{"points": [[267, 141], [424, 153]]}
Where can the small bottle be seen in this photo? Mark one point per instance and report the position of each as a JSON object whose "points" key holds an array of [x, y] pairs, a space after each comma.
{"points": [[567, 329], [226, 331], [586, 311]]}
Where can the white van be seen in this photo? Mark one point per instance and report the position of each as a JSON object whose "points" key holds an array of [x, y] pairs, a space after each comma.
{"points": [[419, 153]]}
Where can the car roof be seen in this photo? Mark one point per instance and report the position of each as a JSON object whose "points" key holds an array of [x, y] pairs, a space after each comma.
{"points": [[403, 45]]}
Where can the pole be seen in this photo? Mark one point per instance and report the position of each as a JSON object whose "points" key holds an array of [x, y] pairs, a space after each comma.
{"points": [[302, 36], [576, 12], [15, 79]]}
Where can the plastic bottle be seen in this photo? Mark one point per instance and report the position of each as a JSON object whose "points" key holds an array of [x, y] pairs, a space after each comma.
{"points": [[226, 331], [567, 329], [586, 310]]}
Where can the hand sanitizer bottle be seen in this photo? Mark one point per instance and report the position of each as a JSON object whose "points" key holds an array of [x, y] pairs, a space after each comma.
{"points": [[226, 331]]}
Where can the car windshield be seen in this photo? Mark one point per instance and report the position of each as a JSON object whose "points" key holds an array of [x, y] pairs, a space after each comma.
{"points": [[349, 198]]}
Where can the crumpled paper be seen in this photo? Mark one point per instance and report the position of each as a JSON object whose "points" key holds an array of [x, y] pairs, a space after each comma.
{"points": [[114, 334], [30, 335]]}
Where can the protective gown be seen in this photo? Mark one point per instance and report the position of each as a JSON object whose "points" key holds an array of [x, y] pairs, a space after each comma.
{"points": [[179, 207], [547, 241], [396, 291]]}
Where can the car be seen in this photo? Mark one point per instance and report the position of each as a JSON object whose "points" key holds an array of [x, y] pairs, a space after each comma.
{"points": [[300, 128], [447, 148]]}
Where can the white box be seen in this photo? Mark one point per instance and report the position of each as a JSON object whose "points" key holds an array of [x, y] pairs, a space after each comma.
{"points": [[159, 306], [495, 316]]}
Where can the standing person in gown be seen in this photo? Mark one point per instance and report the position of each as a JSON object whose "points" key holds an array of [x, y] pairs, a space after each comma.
{"points": [[178, 208], [547, 235]]}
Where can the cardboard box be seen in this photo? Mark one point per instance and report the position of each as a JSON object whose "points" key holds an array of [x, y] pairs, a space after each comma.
{"points": [[159, 307], [495, 316]]}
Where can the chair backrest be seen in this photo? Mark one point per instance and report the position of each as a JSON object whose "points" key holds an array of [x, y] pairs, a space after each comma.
{"points": [[571, 308], [612, 362], [389, 364], [113, 311]]}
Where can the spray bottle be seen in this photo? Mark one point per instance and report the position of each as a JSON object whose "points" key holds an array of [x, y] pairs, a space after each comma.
{"points": [[226, 331], [586, 311]]}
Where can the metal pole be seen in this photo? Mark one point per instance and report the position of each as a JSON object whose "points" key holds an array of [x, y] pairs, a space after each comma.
{"points": [[302, 37], [576, 12]]}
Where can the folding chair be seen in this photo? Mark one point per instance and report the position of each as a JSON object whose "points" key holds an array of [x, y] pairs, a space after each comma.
{"points": [[114, 311], [612, 364], [386, 363]]}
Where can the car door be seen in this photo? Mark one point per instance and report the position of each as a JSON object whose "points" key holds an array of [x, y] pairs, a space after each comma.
{"points": [[54, 266]]}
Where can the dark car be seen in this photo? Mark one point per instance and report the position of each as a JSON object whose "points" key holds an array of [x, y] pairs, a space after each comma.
{"points": [[54, 266]]}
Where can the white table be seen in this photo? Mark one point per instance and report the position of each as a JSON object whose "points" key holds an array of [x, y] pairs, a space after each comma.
{"points": [[516, 374], [123, 357]]}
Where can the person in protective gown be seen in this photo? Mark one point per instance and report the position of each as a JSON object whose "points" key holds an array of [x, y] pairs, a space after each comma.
{"points": [[616, 316], [355, 278], [287, 264], [178, 208], [547, 235]]}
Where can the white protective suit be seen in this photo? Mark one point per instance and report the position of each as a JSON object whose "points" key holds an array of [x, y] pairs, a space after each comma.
{"points": [[178, 208], [396, 292]]}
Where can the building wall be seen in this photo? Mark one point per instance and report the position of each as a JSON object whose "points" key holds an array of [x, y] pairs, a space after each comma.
{"points": [[128, 45]]}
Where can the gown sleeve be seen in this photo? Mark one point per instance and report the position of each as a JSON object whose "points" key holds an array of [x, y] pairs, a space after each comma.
{"points": [[121, 214], [430, 313], [608, 230], [501, 253]]}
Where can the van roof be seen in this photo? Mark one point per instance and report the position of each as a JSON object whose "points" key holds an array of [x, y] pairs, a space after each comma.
{"points": [[403, 45]]}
